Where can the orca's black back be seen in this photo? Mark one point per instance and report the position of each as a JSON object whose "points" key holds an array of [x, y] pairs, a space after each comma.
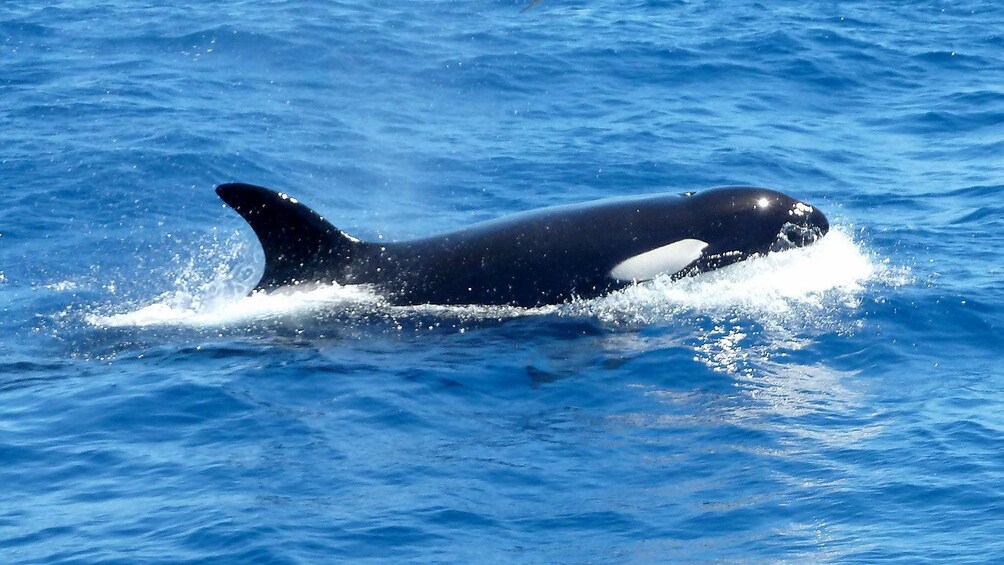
{"points": [[540, 257]]}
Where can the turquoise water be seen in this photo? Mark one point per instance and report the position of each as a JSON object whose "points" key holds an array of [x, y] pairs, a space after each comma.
{"points": [[838, 403]]}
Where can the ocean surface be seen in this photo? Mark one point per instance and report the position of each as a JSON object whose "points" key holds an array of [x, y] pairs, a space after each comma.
{"points": [[838, 403]]}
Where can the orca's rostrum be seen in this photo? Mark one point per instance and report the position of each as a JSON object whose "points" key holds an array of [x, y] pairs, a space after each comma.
{"points": [[544, 256]]}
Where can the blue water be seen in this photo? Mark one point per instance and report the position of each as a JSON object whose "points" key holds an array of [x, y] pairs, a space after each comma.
{"points": [[838, 403]]}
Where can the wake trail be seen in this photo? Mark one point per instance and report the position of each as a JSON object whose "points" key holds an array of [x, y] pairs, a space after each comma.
{"points": [[834, 271]]}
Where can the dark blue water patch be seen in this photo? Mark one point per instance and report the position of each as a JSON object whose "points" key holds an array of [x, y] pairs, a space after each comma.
{"points": [[985, 217], [970, 192], [25, 371], [952, 60], [934, 121]]}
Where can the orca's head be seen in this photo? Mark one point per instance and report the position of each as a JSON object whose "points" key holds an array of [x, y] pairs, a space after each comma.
{"points": [[738, 222]]}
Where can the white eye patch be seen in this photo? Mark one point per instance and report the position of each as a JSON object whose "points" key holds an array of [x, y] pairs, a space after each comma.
{"points": [[667, 259]]}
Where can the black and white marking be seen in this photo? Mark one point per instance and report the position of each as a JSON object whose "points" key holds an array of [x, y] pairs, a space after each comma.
{"points": [[544, 256]]}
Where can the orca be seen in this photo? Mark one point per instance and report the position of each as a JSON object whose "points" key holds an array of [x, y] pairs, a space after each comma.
{"points": [[535, 258]]}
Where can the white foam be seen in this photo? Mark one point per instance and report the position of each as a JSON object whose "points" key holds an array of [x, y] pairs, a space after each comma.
{"points": [[62, 286], [186, 309], [834, 270]]}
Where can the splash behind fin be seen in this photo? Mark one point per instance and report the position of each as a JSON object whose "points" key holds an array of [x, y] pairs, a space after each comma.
{"points": [[300, 246]]}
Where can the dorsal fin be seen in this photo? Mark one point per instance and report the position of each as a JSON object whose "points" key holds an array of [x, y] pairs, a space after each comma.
{"points": [[300, 246]]}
